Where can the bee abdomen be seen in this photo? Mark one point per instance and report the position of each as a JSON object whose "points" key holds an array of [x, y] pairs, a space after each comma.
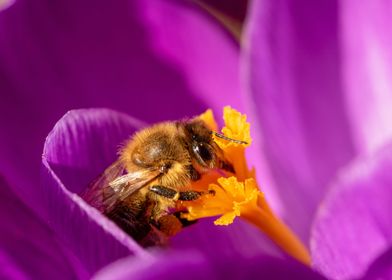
{"points": [[127, 219]]}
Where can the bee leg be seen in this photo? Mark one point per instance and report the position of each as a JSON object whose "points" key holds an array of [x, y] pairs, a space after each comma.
{"points": [[163, 191], [170, 193], [189, 195]]}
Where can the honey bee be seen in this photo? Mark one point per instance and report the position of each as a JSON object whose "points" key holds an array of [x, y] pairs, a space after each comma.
{"points": [[154, 170]]}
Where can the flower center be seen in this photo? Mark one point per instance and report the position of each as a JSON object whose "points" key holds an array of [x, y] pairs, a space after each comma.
{"points": [[239, 195]]}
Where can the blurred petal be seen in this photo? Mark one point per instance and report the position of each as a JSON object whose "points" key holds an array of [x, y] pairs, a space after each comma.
{"points": [[202, 51], [4, 4], [367, 70], [231, 14], [153, 59], [28, 249], [193, 265], [291, 62], [354, 224], [239, 239], [234, 9], [381, 268], [79, 148]]}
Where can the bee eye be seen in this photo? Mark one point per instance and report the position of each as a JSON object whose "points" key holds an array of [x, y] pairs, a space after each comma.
{"points": [[203, 152]]}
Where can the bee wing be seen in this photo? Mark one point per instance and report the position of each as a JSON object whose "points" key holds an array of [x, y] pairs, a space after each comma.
{"points": [[94, 193], [125, 185], [112, 186]]}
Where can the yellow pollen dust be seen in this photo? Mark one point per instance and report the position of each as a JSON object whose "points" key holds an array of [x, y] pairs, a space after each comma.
{"points": [[239, 195]]}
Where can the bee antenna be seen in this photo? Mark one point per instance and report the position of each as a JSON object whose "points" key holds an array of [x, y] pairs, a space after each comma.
{"points": [[228, 139]]}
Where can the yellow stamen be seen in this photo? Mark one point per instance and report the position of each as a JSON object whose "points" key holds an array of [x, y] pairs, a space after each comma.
{"points": [[236, 127], [231, 199], [240, 196], [209, 120]]}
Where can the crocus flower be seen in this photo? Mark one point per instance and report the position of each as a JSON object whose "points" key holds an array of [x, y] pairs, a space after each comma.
{"points": [[316, 90]]}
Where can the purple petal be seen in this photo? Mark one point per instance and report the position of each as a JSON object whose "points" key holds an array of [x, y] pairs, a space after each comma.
{"points": [[81, 145], [380, 268], [233, 9], [367, 69], [238, 239], [354, 224], [292, 66], [201, 49], [193, 265], [152, 59], [28, 249]]}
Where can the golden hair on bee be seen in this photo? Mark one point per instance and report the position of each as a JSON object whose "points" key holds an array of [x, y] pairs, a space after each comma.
{"points": [[159, 147]]}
